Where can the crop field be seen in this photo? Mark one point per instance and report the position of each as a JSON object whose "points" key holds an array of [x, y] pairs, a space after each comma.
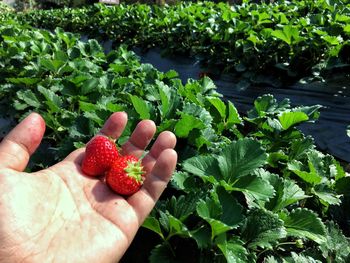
{"points": [[249, 186]]}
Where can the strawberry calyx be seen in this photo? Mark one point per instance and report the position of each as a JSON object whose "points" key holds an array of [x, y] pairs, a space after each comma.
{"points": [[134, 170]]}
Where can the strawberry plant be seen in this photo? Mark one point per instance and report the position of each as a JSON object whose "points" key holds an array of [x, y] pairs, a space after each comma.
{"points": [[274, 43], [249, 187]]}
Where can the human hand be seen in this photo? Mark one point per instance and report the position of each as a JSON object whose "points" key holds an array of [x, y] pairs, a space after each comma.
{"points": [[61, 215]]}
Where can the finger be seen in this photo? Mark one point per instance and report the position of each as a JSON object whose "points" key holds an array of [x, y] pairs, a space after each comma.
{"points": [[140, 138], [76, 156], [144, 200], [115, 125], [17, 147], [113, 128], [165, 140]]}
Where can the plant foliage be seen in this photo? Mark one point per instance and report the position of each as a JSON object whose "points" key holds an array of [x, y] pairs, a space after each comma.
{"points": [[275, 43], [248, 187]]}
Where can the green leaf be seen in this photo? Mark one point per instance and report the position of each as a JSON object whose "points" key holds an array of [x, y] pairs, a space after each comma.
{"points": [[337, 245], [289, 119], [288, 34], [162, 253], [300, 147], [202, 236], [304, 223], [337, 171], [186, 124], [326, 195], [51, 64], [311, 177], [152, 224], [183, 206], [164, 92], [140, 106], [333, 40], [233, 250], [263, 229], [173, 225], [202, 166], [87, 106], [300, 258], [224, 215], [231, 209], [342, 185], [287, 192], [254, 188], [29, 98], [25, 81], [219, 106], [52, 100], [89, 86], [240, 158], [266, 105], [233, 115]]}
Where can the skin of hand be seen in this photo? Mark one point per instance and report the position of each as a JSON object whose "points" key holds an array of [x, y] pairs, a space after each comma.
{"points": [[61, 215]]}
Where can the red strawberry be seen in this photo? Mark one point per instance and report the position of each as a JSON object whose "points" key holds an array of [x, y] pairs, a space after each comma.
{"points": [[100, 154], [126, 175]]}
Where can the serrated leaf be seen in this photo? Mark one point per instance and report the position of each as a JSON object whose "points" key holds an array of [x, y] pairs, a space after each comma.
{"points": [[240, 158], [289, 119], [162, 253], [140, 106], [233, 250], [178, 180], [202, 166], [186, 124], [52, 64], [337, 245], [202, 236], [152, 224], [29, 98], [223, 215], [89, 86], [326, 195], [263, 229], [210, 212], [52, 100], [300, 147], [219, 105], [231, 209], [254, 188], [287, 192], [173, 225], [300, 258], [207, 85], [337, 171], [311, 177], [183, 206], [304, 223], [233, 115], [267, 105], [342, 185], [288, 34], [87, 106], [25, 81], [164, 92]]}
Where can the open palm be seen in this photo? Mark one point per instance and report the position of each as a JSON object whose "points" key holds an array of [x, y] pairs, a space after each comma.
{"points": [[60, 215]]}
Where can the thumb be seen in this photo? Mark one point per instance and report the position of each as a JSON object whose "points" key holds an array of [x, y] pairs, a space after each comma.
{"points": [[17, 147]]}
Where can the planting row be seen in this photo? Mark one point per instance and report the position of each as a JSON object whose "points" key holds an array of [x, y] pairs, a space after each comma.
{"points": [[264, 43]]}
